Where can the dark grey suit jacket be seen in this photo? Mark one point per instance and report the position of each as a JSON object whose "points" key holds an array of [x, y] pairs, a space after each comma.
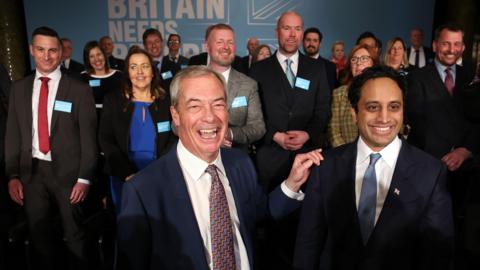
{"points": [[73, 140]]}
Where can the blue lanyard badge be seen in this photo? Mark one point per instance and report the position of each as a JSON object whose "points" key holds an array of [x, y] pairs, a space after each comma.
{"points": [[63, 106], [163, 126], [94, 83], [239, 102], [167, 75], [302, 83]]}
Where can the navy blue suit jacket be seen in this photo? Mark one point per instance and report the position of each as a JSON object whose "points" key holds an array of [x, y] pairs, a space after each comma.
{"points": [[414, 229], [157, 226]]}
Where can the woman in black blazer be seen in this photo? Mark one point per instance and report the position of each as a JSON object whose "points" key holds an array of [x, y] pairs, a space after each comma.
{"points": [[135, 127]]}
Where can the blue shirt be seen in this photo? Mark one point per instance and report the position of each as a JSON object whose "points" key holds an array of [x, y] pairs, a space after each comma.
{"points": [[142, 146]]}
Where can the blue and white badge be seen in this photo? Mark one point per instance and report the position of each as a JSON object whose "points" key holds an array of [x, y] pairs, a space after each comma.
{"points": [[63, 106], [163, 126], [94, 83], [167, 75], [183, 66], [302, 83], [239, 102]]}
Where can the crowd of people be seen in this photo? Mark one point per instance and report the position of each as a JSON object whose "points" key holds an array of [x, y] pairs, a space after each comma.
{"points": [[283, 160]]}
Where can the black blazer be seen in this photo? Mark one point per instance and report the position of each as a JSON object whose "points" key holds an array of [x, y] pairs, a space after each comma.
{"points": [[201, 59], [116, 63], [438, 122], [164, 75], [114, 132], [73, 141], [331, 72], [293, 109], [414, 229]]}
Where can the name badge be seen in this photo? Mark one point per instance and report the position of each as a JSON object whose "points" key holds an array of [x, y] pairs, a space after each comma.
{"points": [[163, 126], [239, 102], [183, 66], [167, 75], [62, 106], [302, 83], [94, 83]]}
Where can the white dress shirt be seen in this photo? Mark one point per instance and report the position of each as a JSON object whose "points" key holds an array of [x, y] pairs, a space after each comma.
{"points": [[198, 184], [384, 169], [281, 59], [421, 57], [52, 93]]}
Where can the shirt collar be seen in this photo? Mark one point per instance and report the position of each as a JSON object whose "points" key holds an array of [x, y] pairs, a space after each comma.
{"points": [[195, 166], [281, 58], [441, 68], [54, 75], [226, 74], [389, 153]]}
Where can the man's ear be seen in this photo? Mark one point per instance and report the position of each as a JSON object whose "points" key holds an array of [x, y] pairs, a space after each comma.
{"points": [[354, 115], [175, 116]]}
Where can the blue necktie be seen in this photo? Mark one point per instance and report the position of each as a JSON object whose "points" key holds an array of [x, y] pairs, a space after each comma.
{"points": [[289, 72], [368, 199]]}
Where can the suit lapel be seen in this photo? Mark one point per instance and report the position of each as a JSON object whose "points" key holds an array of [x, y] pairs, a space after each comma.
{"points": [[184, 209], [401, 188], [28, 90], [62, 93], [232, 87]]}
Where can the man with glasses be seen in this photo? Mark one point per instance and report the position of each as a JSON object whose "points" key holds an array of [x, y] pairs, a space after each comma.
{"points": [[174, 42]]}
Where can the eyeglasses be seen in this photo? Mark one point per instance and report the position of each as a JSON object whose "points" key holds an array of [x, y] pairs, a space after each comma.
{"points": [[360, 59], [174, 42]]}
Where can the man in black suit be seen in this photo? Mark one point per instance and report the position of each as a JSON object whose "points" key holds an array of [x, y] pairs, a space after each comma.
{"points": [[296, 103], [252, 45], [69, 65], [417, 54], [377, 203], [153, 44], [51, 151], [312, 40], [107, 46], [174, 42], [437, 118]]}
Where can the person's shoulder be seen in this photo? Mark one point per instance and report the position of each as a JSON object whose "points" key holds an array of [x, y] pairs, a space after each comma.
{"points": [[241, 77], [420, 157]]}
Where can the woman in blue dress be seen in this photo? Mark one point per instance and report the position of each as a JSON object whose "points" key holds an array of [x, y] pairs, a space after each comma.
{"points": [[135, 126]]}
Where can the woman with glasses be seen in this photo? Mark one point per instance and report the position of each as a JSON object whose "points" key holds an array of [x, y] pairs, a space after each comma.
{"points": [[342, 129], [396, 56], [135, 124], [101, 78]]}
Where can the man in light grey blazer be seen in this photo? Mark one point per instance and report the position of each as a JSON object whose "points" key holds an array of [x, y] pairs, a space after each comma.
{"points": [[245, 122]]}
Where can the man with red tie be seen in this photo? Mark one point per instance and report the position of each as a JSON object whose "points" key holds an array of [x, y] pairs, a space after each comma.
{"points": [[51, 151]]}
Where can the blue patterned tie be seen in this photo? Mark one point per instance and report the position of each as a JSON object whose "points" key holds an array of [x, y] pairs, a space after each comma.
{"points": [[368, 199], [223, 256], [289, 72]]}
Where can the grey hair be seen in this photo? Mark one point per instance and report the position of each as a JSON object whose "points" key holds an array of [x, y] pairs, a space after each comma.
{"points": [[193, 72]]}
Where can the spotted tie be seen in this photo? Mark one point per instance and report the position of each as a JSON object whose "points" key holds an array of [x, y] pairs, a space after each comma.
{"points": [[221, 229]]}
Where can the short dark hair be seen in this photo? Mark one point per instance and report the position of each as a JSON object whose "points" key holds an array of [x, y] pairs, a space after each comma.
{"points": [[174, 35], [375, 72], [151, 31], [367, 34], [453, 27], [46, 31], [313, 30], [218, 26]]}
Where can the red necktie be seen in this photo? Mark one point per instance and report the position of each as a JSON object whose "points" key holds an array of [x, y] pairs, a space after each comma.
{"points": [[43, 140], [449, 84], [223, 256]]}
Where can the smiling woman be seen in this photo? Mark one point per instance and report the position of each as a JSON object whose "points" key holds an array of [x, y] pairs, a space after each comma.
{"points": [[135, 123]]}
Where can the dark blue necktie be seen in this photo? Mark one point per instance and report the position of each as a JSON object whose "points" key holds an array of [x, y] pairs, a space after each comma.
{"points": [[368, 199]]}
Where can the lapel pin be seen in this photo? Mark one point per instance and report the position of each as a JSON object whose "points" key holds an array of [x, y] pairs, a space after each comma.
{"points": [[396, 191]]}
